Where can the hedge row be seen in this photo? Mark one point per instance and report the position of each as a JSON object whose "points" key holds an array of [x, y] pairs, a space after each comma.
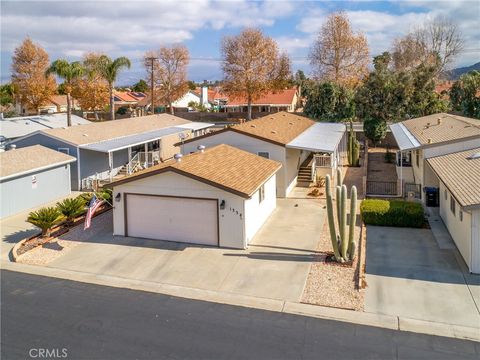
{"points": [[392, 213]]}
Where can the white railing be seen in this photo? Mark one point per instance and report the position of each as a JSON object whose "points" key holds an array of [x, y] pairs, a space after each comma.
{"points": [[323, 161], [143, 160]]}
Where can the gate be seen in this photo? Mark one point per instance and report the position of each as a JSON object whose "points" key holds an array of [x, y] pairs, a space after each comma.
{"points": [[382, 188]]}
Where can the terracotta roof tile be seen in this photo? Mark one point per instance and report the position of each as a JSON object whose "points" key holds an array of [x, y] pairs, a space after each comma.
{"points": [[281, 97], [28, 159], [460, 174], [222, 166], [442, 127]]}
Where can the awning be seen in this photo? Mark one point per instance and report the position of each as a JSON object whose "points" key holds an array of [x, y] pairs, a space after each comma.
{"points": [[405, 140], [320, 137], [131, 140], [194, 126]]}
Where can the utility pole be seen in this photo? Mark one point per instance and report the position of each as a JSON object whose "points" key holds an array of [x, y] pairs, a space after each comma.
{"points": [[152, 91]]}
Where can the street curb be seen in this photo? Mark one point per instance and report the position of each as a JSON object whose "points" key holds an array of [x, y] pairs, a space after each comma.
{"points": [[287, 307]]}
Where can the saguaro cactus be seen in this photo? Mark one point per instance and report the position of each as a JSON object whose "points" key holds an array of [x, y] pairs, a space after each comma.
{"points": [[353, 148], [343, 244]]}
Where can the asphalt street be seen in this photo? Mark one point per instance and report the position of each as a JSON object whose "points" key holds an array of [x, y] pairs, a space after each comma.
{"points": [[51, 318]]}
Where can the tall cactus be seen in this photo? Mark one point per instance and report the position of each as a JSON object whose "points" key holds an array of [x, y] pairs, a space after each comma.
{"points": [[353, 148], [339, 177], [331, 220], [343, 244]]}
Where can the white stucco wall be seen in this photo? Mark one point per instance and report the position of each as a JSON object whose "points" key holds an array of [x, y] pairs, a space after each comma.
{"points": [[451, 148], [475, 215], [232, 225], [257, 213], [251, 145], [461, 231], [185, 99]]}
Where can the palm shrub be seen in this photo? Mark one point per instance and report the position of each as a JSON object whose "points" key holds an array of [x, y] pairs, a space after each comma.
{"points": [[45, 219], [71, 208], [85, 197]]}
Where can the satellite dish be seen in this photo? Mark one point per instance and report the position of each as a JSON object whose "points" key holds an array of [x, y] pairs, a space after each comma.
{"points": [[182, 136]]}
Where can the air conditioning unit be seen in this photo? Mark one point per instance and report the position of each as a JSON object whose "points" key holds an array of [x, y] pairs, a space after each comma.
{"points": [[411, 195]]}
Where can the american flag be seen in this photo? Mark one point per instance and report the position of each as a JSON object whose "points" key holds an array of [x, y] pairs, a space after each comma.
{"points": [[92, 207]]}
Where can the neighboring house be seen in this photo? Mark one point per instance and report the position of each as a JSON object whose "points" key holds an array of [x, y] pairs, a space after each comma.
{"points": [[56, 104], [425, 137], [190, 96], [107, 149], [457, 175], [32, 176], [282, 100], [128, 99], [220, 196], [305, 148], [13, 128]]}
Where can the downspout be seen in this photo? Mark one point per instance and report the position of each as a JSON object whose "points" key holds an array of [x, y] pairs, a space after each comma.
{"points": [[79, 179]]}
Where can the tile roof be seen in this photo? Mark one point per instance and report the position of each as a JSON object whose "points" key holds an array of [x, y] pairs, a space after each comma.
{"points": [[106, 130], [222, 166], [281, 97], [460, 174], [428, 130], [125, 96], [279, 128], [28, 159]]}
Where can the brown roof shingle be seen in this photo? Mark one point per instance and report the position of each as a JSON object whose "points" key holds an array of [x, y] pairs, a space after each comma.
{"points": [[222, 166], [279, 128], [437, 128], [106, 130], [460, 174], [28, 159]]}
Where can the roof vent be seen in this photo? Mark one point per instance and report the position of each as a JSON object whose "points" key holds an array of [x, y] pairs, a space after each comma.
{"points": [[290, 123], [254, 126], [429, 141], [439, 121], [12, 147], [428, 124], [274, 131], [178, 157], [201, 148], [85, 135], [27, 122], [474, 156]]}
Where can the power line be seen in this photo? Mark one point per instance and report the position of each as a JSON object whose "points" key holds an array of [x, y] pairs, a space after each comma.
{"points": [[152, 59]]}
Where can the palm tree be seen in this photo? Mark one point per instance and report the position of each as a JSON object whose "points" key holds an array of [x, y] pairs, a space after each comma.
{"points": [[45, 219], [69, 72], [109, 69]]}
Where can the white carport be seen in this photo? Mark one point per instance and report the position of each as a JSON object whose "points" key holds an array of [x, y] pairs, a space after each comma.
{"points": [[328, 143]]}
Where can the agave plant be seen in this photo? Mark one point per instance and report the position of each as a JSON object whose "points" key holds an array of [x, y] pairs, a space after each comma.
{"points": [[71, 208], [45, 219]]}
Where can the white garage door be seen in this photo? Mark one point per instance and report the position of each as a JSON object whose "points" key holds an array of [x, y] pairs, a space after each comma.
{"points": [[172, 218]]}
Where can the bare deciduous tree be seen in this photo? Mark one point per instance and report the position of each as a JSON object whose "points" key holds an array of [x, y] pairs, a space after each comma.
{"points": [[437, 42], [29, 64], [339, 54], [169, 73], [252, 65]]}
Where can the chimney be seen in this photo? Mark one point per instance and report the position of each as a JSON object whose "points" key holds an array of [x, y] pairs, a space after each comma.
{"points": [[201, 148], [204, 94], [178, 157]]}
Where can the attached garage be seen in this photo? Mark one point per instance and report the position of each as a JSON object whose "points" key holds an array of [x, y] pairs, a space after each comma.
{"points": [[182, 219], [217, 197], [31, 177]]}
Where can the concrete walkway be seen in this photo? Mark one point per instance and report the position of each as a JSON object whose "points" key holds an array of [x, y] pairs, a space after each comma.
{"points": [[275, 266], [408, 274]]}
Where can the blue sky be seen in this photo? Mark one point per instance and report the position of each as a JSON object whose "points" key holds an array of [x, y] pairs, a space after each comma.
{"points": [[68, 29]]}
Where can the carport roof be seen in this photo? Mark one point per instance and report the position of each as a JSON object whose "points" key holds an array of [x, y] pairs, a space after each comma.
{"points": [[223, 166], [405, 140], [29, 159], [132, 140], [321, 137]]}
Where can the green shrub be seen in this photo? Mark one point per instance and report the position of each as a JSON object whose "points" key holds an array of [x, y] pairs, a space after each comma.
{"points": [[85, 197], [45, 219], [392, 213], [71, 208]]}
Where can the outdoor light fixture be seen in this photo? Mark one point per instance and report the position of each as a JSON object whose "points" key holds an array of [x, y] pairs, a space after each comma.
{"points": [[118, 197], [222, 205]]}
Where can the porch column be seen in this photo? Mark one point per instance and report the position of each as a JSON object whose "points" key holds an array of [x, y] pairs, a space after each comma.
{"points": [[129, 154], [110, 164], [401, 173]]}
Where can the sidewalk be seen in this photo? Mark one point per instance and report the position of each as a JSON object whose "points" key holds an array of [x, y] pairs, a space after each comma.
{"points": [[362, 318]]}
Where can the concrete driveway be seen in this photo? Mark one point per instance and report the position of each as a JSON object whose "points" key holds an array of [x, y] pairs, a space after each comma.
{"points": [[275, 266], [409, 275]]}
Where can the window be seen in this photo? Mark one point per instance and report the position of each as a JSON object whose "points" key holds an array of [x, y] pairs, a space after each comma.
{"points": [[460, 213], [417, 157], [452, 204], [64, 150], [264, 154], [261, 194]]}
